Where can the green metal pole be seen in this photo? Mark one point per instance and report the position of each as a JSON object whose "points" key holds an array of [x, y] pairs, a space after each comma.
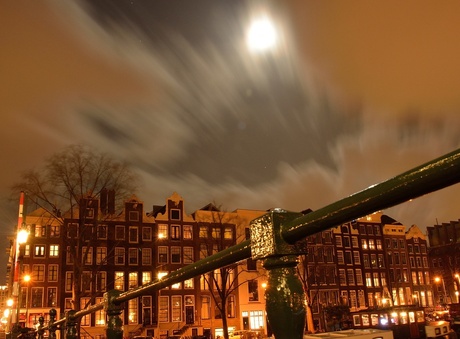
{"points": [[71, 325], [114, 328], [434, 175], [51, 325], [284, 295], [40, 330]]}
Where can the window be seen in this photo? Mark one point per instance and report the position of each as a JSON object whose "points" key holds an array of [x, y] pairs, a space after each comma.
{"points": [[376, 279], [101, 255], [379, 244], [132, 278], [162, 231], [216, 233], [101, 281], [52, 273], [133, 234], [188, 255], [205, 307], [163, 310], [346, 242], [72, 230], [54, 251], [381, 261], [85, 320], [87, 255], [175, 214], [39, 251], [100, 315], [119, 256], [133, 216], [146, 256], [350, 277], [203, 232], [368, 280], [146, 234], [366, 262], [359, 277], [376, 230], [253, 290], [87, 232], [371, 244], [38, 272], [40, 231], [373, 261], [176, 309], [68, 281], [175, 232], [162, 254], [132, 256], [188, 231], [228, 233], [256, 319], [340, 258], [89, 213], [86, 281], [175, 254], [146, 277], [68, 303], [342, 277], [354, 242], [102, 231], [119, 281], [55, 231], [51, 297], [119, 232], [348, 259], [231, 307], [356, 257], [188, 283], [364, 244], [328, 254], [132, 311], [37, 297]]}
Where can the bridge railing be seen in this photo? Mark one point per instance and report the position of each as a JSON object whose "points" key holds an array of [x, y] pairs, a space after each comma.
{"points": [[273, 240]]}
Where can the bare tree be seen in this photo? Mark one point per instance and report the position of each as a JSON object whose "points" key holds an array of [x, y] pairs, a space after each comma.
{"points": [[223, 282], [62, 192]]}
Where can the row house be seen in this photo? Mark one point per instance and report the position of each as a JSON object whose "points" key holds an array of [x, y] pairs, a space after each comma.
{"points": [[444, 255], [126, 249], [378, 265]]}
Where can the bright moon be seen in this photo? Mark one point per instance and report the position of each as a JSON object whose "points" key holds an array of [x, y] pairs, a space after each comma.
{"points": [[261, 35]]}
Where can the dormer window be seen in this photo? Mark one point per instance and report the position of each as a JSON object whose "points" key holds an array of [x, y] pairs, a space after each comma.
{"points": [[175, 214]]}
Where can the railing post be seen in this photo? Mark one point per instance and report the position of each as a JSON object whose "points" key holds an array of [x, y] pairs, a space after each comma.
{"points": [[40, 330], [51, 326], [71, 325], [284, 296], [114, 328]]}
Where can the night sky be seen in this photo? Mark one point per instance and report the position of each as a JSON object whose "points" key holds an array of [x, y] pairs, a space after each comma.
{"points": [[353, 93]]}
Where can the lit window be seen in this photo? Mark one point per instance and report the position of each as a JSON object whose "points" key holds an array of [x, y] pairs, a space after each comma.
{"points": [[39, 251], [54, 251], [119, 281], [188, 231], [162, 231]]}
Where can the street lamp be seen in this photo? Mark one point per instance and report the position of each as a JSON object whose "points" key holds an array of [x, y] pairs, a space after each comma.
{"points": [[437, 281]]}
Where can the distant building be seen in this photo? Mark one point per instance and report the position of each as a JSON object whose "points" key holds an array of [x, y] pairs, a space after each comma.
{"points": [[444, 260]]}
